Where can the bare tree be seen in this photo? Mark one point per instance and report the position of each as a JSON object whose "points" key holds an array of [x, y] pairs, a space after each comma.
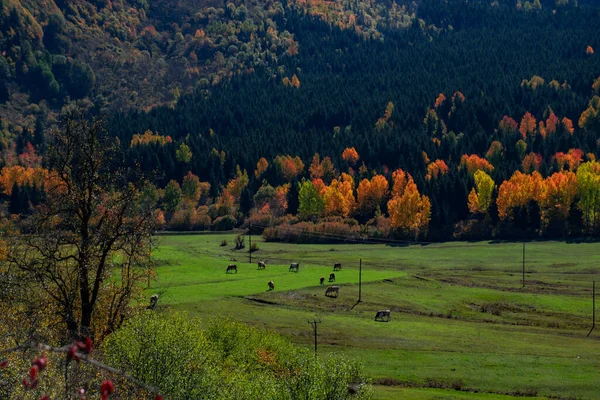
{"points": [[87, 247]]}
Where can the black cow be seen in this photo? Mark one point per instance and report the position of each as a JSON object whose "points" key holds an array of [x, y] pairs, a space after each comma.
{"points": [[231, 268]]}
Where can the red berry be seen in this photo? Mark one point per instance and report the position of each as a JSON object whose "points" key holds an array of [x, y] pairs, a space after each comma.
{"points": [[88, 345], [25, 383], [44, 397], [158, 397], [72, 353], [41, 362], [33, 371], [34, 384], [3, 364], [107, 387], [104, 396]]}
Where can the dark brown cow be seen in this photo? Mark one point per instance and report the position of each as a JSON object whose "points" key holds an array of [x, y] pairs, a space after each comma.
{"points": [[337, 266], [383, 316], [231, 268], [332, 291], [332, 277], [322, 280]]}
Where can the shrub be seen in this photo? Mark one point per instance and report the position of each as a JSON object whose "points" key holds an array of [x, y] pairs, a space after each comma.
{"points": [[224, 223], [239, 242], [223, 243], [253, 247], [227, 360]]}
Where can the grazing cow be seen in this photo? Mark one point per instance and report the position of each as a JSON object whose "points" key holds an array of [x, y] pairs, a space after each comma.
{"points": [[332, 291], [271, 285], [322, 280], [231, 268], [337, 266], [332, 277], [294, 267], [383, 316], [262, 265], [153, 301]]}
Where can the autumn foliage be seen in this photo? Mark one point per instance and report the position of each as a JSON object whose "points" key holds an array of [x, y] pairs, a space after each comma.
{"points": [[350, 156], [435, 169], [149, 138], [409, 210], [474, 163], [289, 167], [528, 125]]}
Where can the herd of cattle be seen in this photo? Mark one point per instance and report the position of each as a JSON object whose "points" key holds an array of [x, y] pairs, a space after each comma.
{"points": [[332, 291]]}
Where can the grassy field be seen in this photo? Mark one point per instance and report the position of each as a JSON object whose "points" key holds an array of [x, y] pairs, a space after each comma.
{"points": [[463, 327]]}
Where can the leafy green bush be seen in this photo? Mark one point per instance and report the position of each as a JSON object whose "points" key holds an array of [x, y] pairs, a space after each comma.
{"points": [[225, 223], [227, 360]]}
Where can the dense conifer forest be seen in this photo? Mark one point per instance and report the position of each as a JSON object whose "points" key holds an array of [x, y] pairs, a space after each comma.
{"points": [[423, 94]]}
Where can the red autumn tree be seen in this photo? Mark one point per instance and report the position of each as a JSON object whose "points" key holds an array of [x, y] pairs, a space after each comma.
{"points": [[507, 125], [532, 162]]}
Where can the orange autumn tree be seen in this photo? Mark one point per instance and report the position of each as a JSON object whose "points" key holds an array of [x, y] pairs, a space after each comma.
{"points": [[289, 167], [371, 194], [517, 192], [568, 125], [552, 124], [261, 167], [436, 168], [474, 163], [350, 156], [556, 197], [409, 210], [322, 169], [596, 85], [570, 160], [440, 100], [21, 176], [528, 124], [237, 184]]}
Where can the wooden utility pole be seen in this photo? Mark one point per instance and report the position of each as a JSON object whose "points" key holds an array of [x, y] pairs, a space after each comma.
{"points": [[250, 239], [523, 264], [593, 308], [360, 281], [314, 323]]}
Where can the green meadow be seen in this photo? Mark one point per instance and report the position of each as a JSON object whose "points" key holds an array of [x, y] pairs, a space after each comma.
{"points": [[463, 326]]}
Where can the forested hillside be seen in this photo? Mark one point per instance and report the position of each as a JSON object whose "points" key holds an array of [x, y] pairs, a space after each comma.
{"points": [[454, 118]]}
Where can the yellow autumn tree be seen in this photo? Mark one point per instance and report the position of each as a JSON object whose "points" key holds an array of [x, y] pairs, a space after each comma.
{"points": [[480, 197]]}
